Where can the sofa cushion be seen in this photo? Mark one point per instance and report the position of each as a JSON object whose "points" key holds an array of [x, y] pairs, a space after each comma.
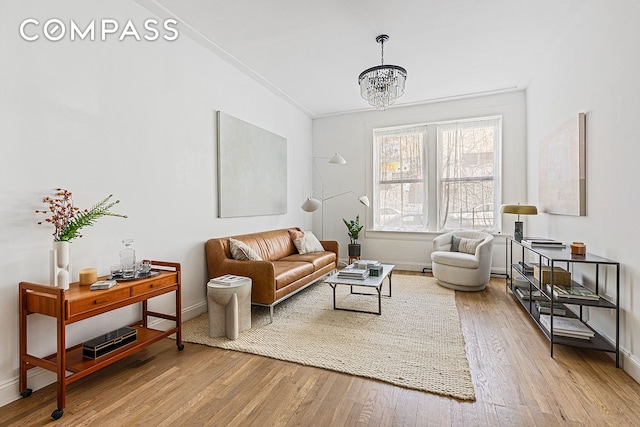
{"points": [[270, 245], [318, 259], [287, 272], [455, 259], [242, 251], [308, 243]]}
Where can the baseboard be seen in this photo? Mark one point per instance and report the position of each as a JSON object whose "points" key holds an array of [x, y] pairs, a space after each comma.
{"points": [[38, 378], [187, 314], [630, 364]]}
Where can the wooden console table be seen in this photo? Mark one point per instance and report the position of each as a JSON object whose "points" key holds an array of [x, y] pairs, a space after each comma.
{"points": [[79, 303]]}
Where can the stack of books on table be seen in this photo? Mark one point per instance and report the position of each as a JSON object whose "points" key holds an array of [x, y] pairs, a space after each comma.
{"points": [[366, 264], [542, 243], [574, 291], [353, 273], [567, 327], [544, 307]]}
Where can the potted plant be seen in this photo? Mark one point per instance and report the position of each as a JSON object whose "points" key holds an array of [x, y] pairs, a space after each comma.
{"points": [[354, 229]]}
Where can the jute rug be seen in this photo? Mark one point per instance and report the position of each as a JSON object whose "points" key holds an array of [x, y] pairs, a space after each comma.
{"points": [[416, 343]]}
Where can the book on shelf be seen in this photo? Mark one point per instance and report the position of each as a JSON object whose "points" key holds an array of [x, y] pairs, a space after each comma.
{"points": [[521, 282], [544, 307], [542, 243], [574, 291], [567, 327], [526, 267], [525, 295]]}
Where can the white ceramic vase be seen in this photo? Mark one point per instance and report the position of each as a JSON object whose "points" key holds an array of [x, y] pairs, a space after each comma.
{"points": [[60, 264]]}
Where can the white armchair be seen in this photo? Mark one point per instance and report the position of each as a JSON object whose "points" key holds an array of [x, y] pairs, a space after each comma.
{"points": [[460, 270]]}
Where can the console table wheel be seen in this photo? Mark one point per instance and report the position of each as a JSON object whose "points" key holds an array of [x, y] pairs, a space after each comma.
{"points": [[181, 347], [26, 393], [57, 414]]}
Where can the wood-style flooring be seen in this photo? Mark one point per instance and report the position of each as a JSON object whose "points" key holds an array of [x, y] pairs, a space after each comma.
{"points": [[516, 384]]}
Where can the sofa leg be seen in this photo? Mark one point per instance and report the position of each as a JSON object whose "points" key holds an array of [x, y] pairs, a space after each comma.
{"points": [[270, 314]]}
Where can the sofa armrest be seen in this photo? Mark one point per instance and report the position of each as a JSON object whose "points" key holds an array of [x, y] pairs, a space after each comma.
{"points": [[262, 274], [331, 246]]}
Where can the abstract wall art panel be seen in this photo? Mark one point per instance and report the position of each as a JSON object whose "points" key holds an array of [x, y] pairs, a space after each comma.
{"points": [[562, 172], [252, 169]]}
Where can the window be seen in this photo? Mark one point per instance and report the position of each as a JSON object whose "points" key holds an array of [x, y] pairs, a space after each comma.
{"points": [[462, 161], [400, 187]]}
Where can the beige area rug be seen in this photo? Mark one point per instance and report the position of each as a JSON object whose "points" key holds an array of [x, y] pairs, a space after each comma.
{"points": [[416, 343]]}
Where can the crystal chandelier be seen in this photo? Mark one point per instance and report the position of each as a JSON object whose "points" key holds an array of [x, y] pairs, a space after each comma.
{"points": [[383, 84]]}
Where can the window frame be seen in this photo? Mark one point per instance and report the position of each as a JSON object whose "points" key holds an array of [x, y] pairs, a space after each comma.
{"points": [[431, 173]]}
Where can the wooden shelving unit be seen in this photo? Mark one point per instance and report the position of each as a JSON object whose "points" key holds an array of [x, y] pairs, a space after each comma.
{"points": [[553, 257], [79, 303]]}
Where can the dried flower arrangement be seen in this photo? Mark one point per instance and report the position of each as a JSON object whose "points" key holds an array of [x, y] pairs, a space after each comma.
{"points": [[68, 219]]}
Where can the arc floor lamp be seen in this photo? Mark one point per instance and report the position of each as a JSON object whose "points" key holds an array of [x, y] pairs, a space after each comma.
{"points": [[312, 204]]}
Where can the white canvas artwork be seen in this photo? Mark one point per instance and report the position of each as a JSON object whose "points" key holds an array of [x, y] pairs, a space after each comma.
{"points": [[562, 174], [252, 169]]}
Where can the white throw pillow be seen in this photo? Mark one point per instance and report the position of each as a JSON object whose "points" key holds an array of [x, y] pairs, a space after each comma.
{"points": [[308, 243], [242, 251]]}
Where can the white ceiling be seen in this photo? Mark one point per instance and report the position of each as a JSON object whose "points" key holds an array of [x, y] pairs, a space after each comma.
{"points": [[311, 52]]}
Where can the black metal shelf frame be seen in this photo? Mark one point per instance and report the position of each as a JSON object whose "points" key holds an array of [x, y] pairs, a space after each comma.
{"points": [[552, 257]]}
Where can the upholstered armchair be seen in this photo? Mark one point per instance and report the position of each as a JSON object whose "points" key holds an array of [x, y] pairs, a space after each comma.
{"points": [[461, 259]]}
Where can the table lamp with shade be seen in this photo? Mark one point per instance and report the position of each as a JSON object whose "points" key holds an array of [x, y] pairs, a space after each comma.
{"points": [[518, 229]]}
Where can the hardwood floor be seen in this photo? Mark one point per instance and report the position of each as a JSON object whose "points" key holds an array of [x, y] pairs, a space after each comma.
{"points": [[516, 383]]}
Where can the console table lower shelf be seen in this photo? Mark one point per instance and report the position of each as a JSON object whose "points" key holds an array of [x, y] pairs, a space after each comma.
{"points": [[597, 342], [80, 303]]}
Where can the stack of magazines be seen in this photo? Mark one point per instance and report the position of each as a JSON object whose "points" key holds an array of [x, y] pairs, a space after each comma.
{"points": [[574, 291], [567, 327], [544, 307], [526, 295], [353, 273]]}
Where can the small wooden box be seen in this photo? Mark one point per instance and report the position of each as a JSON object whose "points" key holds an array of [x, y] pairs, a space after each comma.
{"points": [[560, 275]]}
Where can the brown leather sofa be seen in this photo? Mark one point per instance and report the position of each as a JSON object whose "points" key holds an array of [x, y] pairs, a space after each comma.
{"points": [[282, 271]]}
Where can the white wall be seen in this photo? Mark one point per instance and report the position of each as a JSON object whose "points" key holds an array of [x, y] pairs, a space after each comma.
{"points": [[351, 135], [594, 68], [133, 119]]}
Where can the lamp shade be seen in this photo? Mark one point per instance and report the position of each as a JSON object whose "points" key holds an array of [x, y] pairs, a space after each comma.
{"points": [[364, 200], [311, 205], [519, 209], [337, 159]]}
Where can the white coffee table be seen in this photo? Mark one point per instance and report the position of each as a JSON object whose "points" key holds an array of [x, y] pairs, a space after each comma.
{"points": [[375, 282]]}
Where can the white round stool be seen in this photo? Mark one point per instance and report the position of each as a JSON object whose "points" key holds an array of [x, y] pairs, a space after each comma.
{"points": [[229, 303]]}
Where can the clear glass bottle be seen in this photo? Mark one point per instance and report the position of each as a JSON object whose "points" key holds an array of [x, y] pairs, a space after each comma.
{"points": [[128, 259]]}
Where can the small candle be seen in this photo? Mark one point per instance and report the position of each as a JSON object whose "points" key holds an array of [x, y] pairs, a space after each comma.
{"points": [[88, 276]]}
